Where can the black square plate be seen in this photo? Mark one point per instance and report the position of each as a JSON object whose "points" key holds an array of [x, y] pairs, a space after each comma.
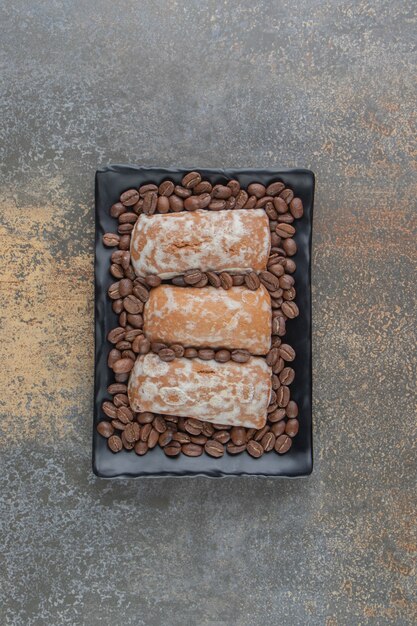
{"points": [[110, 182]]}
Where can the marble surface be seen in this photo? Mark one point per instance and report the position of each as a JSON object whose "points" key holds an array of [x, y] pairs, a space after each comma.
{"points": [[324, 84]]}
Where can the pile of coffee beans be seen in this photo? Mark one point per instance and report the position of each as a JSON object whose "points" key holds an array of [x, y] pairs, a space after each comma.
{"points": [[125, 429]]}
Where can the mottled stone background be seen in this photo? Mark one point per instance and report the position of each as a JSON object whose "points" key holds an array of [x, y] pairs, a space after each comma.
{"points": [[325, 84]]}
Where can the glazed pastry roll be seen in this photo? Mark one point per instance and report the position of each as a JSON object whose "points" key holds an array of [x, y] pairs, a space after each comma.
{"points": [[210, 317], [170, 244], [233, 394]]}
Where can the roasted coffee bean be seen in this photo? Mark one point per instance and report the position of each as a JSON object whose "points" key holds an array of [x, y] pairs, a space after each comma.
{"points": [[270, 211], [150, 202], [132, 304], [290, 265], [159, 424], [258, 434], [111, 240], [190, 353], [153, 439], [280, 205], [116, 256], [254, 448], [206, 354], [128, 218], [124, 414], [145, 418], [238, 435], [203, 187], [276, 325], [287, 352], [166, 188], [178, 349], [165, 438], [118, 425], [270, 281], [131, 334], [181, 437], [286, 218], [105, 429], [202, 282], [276, 269], [129, 197], [290, 309], [121, 378], [287, 376], [221, 192], [125, 287], [162, 204], [241, 199], [144, 345], [283, 396], [176, 204], [123, 366], [277, 415], [179, 281], [172, 449], [145, 431], [156, 346], [137, 208], [141, 292], [193, 203], [223, 436], [153, 281], [234, 449], [213, 279], [116, 271], [217, 205], [291, 427], [208, 429], [113, 356], [124, 243], [256, 189], [120, 399], [182, 192], [166, 354], [291, 409], [272, 225], [240, 356], [273, 397], [141, 448], [275, 240], [238, 280], [296, 208], [279, 366], [262, 202], [278, 428], [268, 441], [272, 357], [234, 185], [276, 294], [149, 187], [289, 246], [123, 319], [222, 356], [191, 277], [285, 230], [226, 280], [193, 426], [286, 281], [128, 354], [281, 327], [230, 203], [287, 195], [116, 388], [135, 320], [192, 449], [250, 203], [124, 259], [116, 335], [201, 440], [117, 209], [275, 382], [252, 281], [283, 444], [191, 179], [132, 432], [250, 432], [115, 443], [214, 448], [275, 188]]}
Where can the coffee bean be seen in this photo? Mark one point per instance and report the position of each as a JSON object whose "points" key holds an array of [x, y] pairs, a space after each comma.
{"points": [[190, 353], [141, 448], [273, 397], [240, 356], [268, 441], [117, 209], [157, 346], [290, 246], [150, 202], [234, 449], [262, 202], [255, 449], [213, 279], [166, 188], [291, 409], [226, 280], [279, 366], [166, 354], [129, 197], [128, 218], [165, 438], [214, 448], [191, 179], [191, 277], [116, 271], [201, 440], [159, 424], [281, 327], [221, 192], [144, 345], [120, 399], [208, 429], [217, 205], [290, 309], [283, 396], [113, 356], [287, 376], [111, 240], [275, 241], [277, 415], [270, 281], [182, 192], [206, 354], [128, 354], [195, 203], [125, 287], [230, 203], [222, 356], [283, 444], [116, 388], [109, 409], [179, 281], [123, 366], [272, 357], [124, 243], [250, 203], [131, 334], [276, 269], [223, 436], [258, 434], [272, 225], [178, 350], [145, 431], [287, 352], [285, 230], [203, 187], [285, 219], [124, 414], [241, 199], [270, 211], [275, 188], [193, 426], [278, 428], [252, 281], [115, 443], [132, 304], [132, 432], [137, 208], [202, 282], [172, 449], [135, 320], [149, 187], [280, 205], [256, 189], [162, 205], [275, 382], [145, 417], [153, 281], [238, 435], [191, 449], [287, 195], [182, 437], [121, 378], [176, 204], [105, 429], [286, 281], [290, 265], [234, 186], [123, 319], [141, 292], [238, 280]]}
